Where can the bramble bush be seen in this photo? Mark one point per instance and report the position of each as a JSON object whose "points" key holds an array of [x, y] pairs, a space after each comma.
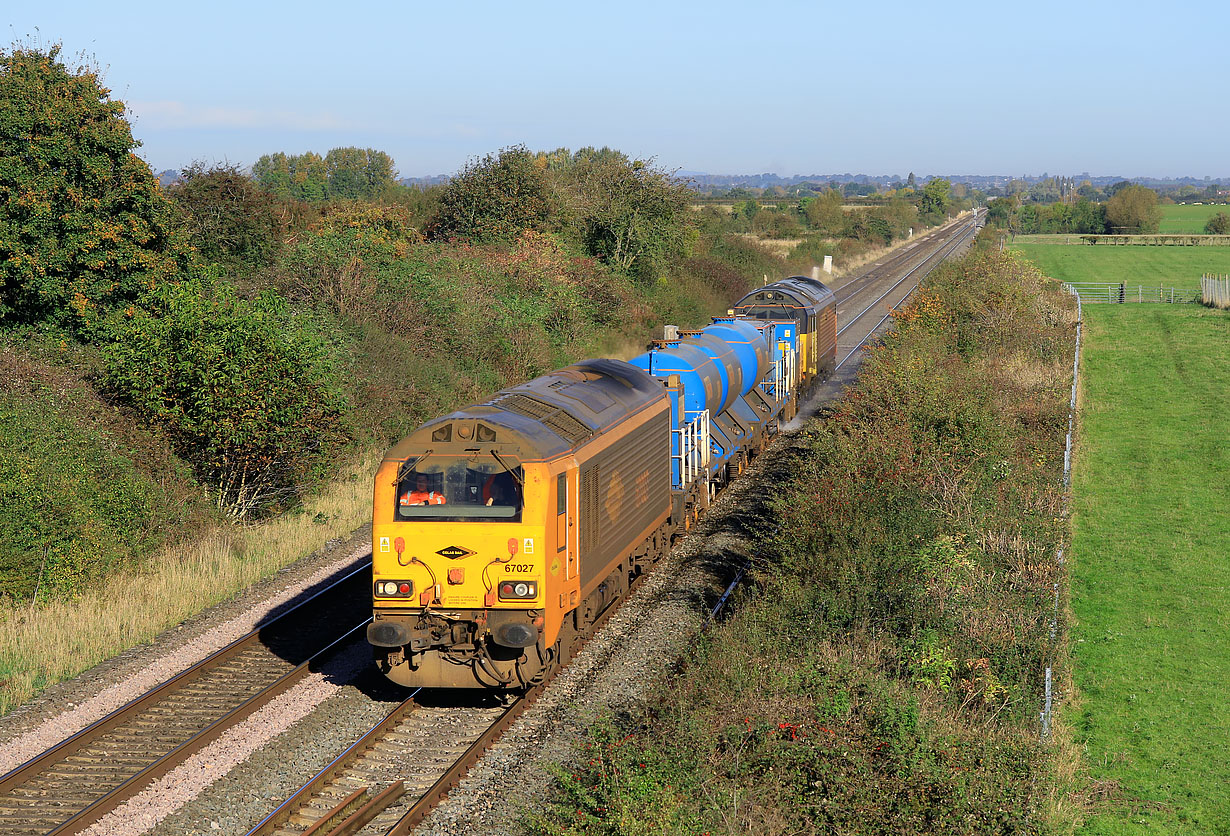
{"points": [[247, 389]]}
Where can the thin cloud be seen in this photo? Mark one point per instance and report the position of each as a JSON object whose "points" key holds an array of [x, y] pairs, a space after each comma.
{"points": [[171, 115]]}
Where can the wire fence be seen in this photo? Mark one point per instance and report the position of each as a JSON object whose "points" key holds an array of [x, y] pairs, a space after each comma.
{"points": [[1049, 695], [1121, 293], [1215, 290]]}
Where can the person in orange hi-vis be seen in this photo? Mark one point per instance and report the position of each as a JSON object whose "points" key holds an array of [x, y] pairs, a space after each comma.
{"points": [[420, 495]]}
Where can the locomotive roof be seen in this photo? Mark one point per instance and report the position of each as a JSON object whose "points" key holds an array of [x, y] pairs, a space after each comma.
{"points": [[801, 291], [544, 417]]}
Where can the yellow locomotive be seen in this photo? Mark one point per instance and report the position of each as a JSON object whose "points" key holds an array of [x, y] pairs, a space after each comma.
{"points": [[502, 529]]}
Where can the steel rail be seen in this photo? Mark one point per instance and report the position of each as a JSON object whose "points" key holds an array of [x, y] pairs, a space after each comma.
{"points": [[335, 767], [959, 236], [895, 259], [116, 793], [454, 774], [954, 244]]}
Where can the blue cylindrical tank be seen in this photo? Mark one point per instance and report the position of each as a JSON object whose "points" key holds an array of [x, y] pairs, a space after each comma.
{"points": [[749, 346], [727, 361], [705, 383]]}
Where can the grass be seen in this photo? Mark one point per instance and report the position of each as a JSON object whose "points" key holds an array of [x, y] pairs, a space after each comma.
{"points": [[59, 640], [1188, 218], [1179, 267], [1150, 578]]}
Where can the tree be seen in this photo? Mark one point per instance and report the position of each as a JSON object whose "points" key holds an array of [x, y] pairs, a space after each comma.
{"points": [[1219, 224], [633, 216], [1133, 209], [273, 172], [824, 213], [226, 216], [934, 201], [999, 211], [496, 198], [84, 227], [359, 173], [246, 388], [294, 177]]}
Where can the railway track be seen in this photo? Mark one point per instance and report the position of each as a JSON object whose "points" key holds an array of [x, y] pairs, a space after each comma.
{"points": [[75, 783], [906, 259], [383, 784], [390, 779]]}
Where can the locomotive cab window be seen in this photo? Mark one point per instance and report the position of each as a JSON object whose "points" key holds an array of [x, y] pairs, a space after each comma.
{"points": [[450, 488]]}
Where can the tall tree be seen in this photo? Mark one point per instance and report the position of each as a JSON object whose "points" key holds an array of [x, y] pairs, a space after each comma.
{"points": [[633, 215], [359, 173], [1133, 209], [84, 227], [934, 201]]}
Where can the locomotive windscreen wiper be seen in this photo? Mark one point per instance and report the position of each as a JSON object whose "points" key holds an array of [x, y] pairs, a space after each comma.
{"points": [[515, 475], [408, 465]]}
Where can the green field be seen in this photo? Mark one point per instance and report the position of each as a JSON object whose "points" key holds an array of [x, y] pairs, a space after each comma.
{"points": [[1181, 218], [1151, 568], [1179, 267]]}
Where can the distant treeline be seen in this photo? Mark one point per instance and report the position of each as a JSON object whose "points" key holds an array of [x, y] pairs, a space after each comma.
{"points": [[1130, 209]]}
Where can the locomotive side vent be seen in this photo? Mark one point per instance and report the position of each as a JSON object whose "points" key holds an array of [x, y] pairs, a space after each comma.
{"points": [[589, 510]]}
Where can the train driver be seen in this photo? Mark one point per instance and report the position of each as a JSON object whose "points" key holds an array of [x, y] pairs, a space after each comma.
{"points": [[420, 495], [499, 490]]}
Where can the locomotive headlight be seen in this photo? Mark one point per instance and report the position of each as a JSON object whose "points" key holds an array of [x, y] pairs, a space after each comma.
{"points": [[518, 590], [394, 588]]}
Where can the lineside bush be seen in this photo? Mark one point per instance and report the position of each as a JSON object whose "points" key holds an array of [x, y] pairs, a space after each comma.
{"points": [[885, 677]]}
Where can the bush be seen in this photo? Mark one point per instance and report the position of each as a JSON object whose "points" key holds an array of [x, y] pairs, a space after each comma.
{"points": [[342, 262], [882, 676], [1219, 224], [248, 390], [227, 218], [82, 488], [497, 198]]}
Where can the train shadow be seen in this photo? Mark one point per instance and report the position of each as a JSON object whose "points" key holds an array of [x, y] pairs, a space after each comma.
{"points": [[735, 539]]}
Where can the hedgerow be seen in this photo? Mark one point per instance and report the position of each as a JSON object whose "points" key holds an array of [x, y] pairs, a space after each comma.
{"points": [[885, 674]]}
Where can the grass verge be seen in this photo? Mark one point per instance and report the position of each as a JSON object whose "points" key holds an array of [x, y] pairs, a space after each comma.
{"points": [[1150, 578], [59, 639]]}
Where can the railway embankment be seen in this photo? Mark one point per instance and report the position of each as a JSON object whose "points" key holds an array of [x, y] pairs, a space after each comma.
{"points": [[884, 670]]}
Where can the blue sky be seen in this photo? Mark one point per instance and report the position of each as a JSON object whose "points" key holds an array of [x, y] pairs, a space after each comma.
{"points": [[1111, 88]]}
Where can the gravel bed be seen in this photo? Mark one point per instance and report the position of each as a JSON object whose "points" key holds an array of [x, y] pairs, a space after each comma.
{"points": [[66, 708], [188, 780]]}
